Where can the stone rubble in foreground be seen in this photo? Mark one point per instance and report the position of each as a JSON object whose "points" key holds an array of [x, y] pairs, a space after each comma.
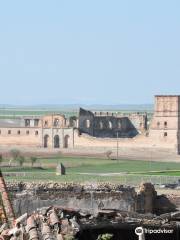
{"points": [[59, 223]]}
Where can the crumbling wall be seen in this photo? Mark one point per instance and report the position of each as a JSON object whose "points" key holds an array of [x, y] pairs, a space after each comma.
{"points": [[146, 198], [110, 125], [28, 197]]}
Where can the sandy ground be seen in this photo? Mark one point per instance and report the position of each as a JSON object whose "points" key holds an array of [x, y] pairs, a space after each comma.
{"points": [[123, 153]]}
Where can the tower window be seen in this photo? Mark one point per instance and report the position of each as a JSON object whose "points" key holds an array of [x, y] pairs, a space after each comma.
{"points": [[36, 133], [165, 134], [27, 132], [9, 131], [165, 124], [18, 132]]}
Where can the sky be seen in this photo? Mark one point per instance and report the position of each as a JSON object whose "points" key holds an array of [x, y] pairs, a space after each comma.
{"points": [[88, 51]]}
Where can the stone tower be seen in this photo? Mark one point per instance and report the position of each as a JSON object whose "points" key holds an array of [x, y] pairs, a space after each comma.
{"points": [[165, 126]]}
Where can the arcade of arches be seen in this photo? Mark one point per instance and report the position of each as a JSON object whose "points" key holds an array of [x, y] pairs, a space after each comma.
{"points": [[56, 141]]}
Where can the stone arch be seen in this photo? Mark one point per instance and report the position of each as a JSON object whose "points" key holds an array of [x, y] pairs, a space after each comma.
{"points": [[101, 125], [46, 141], [56, 141], [56, 122], [119, 124], [87, 123], [109, 124], [66, 141]]}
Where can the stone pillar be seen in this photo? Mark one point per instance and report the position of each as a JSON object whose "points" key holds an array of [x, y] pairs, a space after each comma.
{"points": [[146, 198], [60, 169]]}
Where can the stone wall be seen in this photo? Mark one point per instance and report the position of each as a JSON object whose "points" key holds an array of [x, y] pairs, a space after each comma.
{"points": [[111, 125], [26, 137], [27, 197], [165, 124]]}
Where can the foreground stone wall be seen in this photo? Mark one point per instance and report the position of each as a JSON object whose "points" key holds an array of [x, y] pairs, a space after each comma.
{"points": [[27, 197]]}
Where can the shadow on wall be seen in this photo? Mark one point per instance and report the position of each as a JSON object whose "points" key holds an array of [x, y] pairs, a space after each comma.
{"points": [[108, 126], [164, 205]]}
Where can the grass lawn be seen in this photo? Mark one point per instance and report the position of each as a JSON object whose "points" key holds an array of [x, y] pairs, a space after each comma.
{"points": [[91, 169]]}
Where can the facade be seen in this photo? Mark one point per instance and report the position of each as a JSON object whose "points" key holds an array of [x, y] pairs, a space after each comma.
{"points": [[98, 129], [165, 125], [48, 131], [111, 125]]}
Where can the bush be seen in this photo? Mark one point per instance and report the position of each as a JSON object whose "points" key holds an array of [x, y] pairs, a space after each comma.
{"points": [[15, 153], [69, 237], [108, 154], [20, 160], [106, 236], [33, 160]]}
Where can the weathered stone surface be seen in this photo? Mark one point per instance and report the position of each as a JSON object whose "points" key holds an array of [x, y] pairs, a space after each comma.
{"points": [[60, 169], [27, 197], [146, 198], [111, 125]]}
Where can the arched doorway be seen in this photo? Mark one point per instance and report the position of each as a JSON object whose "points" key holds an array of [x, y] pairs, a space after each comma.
{"points": [[66, 141], [56, 141], [46, 141]]}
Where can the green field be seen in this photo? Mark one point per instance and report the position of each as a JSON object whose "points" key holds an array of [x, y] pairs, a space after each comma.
{"points": [[14, 112], [94, 170]]}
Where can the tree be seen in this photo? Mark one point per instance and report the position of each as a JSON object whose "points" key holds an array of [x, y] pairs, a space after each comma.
{"points": [[33, 160], [15, 153], [20, 160], [108, 154]]}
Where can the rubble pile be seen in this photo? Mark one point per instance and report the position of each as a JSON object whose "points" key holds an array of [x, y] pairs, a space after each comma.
{"points": [[42, 186], [58, 223]]}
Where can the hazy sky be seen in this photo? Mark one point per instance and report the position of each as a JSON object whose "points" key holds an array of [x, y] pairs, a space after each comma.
{"points": [[88, 51]]}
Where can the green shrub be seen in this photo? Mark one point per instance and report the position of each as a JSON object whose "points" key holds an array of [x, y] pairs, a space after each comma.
{"points": [[15, 153], [106, 236], [20, 160], [33, 160]]}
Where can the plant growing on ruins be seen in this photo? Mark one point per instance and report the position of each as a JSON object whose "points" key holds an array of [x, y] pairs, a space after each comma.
{"points": [[20, 160], [108, 154], [33, 160], [106, 236], [69, 237]]}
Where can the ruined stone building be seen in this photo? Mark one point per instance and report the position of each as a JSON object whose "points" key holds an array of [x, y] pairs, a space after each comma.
{"points": [[46, 131], [165, 125], [100, 124], [98, 129]]}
